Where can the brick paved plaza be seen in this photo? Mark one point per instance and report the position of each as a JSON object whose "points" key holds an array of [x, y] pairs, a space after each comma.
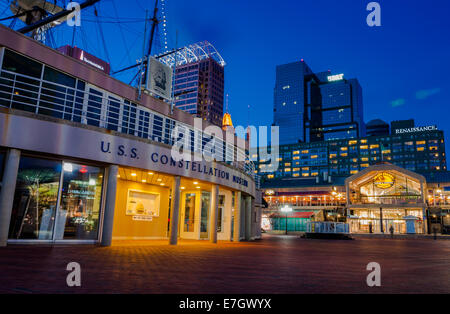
{"points": [[276, 264]]}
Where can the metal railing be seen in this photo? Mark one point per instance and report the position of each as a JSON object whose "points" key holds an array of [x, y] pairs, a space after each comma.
{"points": [[388, 200], [86, 104]]}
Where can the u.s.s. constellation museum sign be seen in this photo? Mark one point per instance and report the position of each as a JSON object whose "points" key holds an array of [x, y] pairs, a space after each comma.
{"points": [[417, 129], [65, 140]]}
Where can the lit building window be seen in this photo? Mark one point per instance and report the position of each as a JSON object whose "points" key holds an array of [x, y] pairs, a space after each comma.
{"points": [[314, 157], [287, 169], [364, 165], [288, 164], [344, 148], [352, 142], [374, 146], [364, 147], [420, 149], [296, 152], [286, 87], [270, 176], [305, 152], [296, 158], [305, 174]]}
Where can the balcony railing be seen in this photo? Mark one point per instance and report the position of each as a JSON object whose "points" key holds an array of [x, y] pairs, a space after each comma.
{"points": [[89, 105], [388, 200]]}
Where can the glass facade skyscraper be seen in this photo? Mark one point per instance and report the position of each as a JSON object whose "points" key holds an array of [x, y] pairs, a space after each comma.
{"points": [[289, 101], [312, 107], [199, 89]]}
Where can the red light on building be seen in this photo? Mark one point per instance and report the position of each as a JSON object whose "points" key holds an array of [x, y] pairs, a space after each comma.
{"points": [[83, 169]]}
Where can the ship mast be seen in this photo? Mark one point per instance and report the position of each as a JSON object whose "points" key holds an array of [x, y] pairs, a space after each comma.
{"points": [[54, 17]]}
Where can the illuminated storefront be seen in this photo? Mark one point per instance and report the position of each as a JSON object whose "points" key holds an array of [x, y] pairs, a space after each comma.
{"points": [[385, 198], [86, 161]]}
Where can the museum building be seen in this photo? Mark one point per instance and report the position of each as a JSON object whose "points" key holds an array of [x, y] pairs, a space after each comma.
{"points": [[85, 159]]}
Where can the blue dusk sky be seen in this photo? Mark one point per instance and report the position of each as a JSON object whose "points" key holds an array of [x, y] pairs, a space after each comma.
{"points": [[402, 66]]}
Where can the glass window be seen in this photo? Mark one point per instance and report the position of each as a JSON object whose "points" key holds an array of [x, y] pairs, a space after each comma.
{"points": [[94, 109], [14, 62], [220, 213], [57, 77], [81, 195], [35, 199], [206, 203], [189, 212]]}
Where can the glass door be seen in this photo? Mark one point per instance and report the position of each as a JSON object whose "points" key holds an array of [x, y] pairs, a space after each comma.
{"points": [[56, 200], [189, 213], [221, 209], [78, 215], [204, 220], [35, 199]]}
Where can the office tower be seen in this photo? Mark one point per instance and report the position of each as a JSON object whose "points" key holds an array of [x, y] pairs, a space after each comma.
{"points": [[199, 81], [289, 101], [377, 127], [312, 107], [338, 112]]}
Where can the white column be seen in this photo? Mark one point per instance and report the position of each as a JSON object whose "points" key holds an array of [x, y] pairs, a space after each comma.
{"points": [[237, 217], [7, 193], [214, 213], [110, 205], [175, 211]]}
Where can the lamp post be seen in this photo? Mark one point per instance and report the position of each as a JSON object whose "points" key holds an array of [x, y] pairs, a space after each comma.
{"points": [[286, 209]]}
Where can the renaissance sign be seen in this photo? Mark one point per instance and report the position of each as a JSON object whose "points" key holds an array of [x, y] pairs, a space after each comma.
{"points": [[416, 130]]}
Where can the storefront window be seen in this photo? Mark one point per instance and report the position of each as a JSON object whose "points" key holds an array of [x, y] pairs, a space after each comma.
{"points": [[35, 199], [79, 213]]}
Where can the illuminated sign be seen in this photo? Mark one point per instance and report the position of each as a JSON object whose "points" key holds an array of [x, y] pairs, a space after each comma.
{"points": [[418, 129], [334, 78], [270, 192], [384, 180], [83, 58]]}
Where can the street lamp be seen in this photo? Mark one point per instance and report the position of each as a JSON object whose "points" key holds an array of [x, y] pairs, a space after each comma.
{"points": [[286, 209]]}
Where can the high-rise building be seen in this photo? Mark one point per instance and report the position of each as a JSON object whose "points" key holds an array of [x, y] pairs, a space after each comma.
{"points": [[312, 107], [290, 97], [199, 81], [420, 149], [377, 127]]}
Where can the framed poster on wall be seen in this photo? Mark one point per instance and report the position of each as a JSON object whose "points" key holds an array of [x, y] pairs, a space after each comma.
{"points": [[140, 203]]}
